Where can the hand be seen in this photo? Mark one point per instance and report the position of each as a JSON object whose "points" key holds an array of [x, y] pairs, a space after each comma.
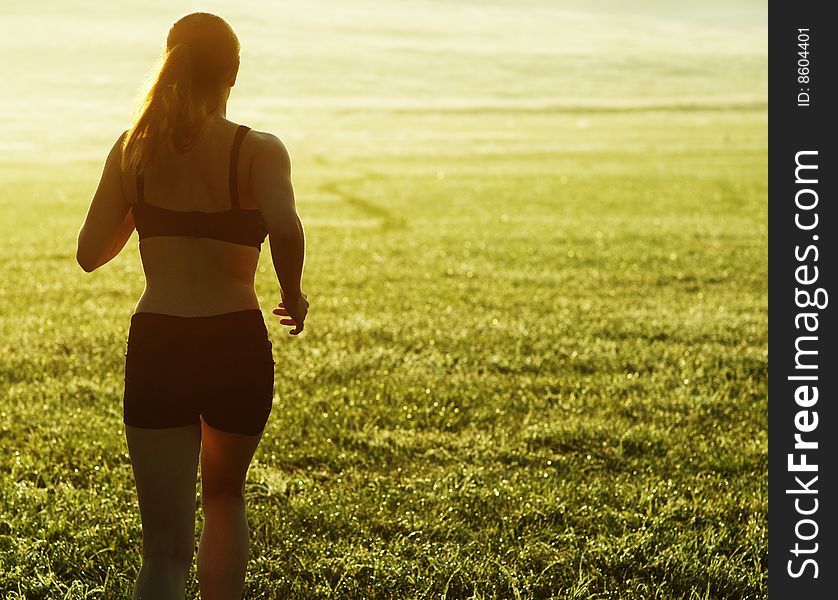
{"points": [[295, 310]]}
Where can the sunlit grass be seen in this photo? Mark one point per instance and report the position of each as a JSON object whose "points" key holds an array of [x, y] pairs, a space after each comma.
{"points": [[536, 362]]}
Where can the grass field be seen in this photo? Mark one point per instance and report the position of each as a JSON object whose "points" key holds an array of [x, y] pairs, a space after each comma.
{"points": [[536, 359]]}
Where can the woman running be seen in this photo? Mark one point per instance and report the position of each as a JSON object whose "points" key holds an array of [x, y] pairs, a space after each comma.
{"points": [[203, 193]]}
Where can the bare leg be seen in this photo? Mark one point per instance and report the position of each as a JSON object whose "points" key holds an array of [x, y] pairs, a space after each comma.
{"points": [[165, 464], [222, 553]]}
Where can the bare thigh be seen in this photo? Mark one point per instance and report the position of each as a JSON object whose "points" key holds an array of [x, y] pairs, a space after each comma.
{"points": [[165, 463], [225, 458]]}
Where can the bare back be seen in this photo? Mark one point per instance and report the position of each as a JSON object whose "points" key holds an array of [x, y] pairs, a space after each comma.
{"points": [[195, 276]]}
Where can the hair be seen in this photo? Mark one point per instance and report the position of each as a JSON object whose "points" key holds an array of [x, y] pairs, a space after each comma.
{"points": [[200, 60]]}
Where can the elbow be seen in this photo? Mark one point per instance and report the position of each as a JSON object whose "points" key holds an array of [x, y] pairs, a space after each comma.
{"points": [[85, 262], [86, 254], [287, 233], [87, 267]]}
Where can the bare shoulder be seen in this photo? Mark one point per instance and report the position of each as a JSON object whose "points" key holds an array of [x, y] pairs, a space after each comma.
{"points": [[270, 177], [113, 163], [116, 149], [268, 149]]}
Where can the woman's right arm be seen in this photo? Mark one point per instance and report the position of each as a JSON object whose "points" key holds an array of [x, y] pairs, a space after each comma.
{"points": [[270, 184]]}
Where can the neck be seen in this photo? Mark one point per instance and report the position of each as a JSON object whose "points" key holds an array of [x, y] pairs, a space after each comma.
{"points": [[221, 107], [221, 111], [222, 103]]}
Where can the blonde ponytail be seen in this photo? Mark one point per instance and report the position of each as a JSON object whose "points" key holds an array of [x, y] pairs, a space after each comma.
{"points": [[200, 59]]}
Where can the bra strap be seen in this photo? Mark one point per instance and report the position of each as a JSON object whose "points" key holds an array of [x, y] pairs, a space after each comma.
{"points": [[140, 188], [234, 164]]}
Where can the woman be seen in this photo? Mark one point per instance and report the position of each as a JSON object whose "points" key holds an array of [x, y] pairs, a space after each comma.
{"points": [[203, 193]]}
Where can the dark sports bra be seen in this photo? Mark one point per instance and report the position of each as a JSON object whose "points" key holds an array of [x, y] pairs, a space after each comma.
{"points": [[237, 225]]}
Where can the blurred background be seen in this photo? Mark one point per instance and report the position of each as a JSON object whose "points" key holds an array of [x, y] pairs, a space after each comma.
{"points": [[314, 71], [535, 364]]}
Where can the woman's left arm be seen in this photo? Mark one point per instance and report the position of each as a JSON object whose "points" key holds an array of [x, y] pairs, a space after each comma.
{"points": [[110, 221]]}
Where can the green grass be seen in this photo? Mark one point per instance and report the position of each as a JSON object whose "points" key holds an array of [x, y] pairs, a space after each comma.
{"points": [[536, 360]]}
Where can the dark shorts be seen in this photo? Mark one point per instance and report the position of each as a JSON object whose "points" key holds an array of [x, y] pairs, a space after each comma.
{"points": [[179, 369]]}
